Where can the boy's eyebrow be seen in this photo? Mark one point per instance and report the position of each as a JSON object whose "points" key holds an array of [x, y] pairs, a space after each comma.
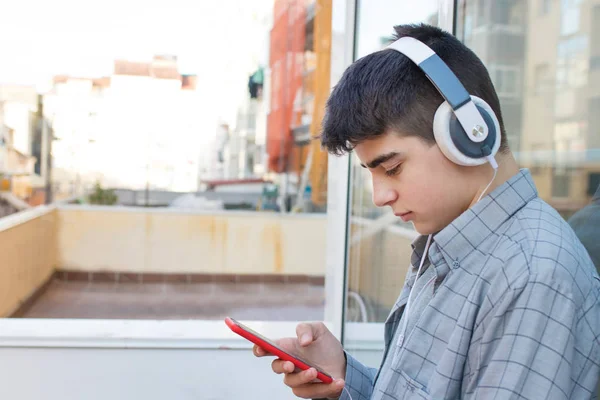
{"points": [[381, 159]]}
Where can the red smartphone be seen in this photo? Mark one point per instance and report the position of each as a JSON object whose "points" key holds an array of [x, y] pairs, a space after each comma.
{"points": [[272, 348]]}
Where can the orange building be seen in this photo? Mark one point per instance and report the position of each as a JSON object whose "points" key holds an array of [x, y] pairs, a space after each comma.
{"points": [[300, 57], [286, 59]]}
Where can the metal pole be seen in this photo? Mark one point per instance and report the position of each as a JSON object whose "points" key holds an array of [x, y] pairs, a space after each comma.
{"points": [[46, 151], [147, 182]]}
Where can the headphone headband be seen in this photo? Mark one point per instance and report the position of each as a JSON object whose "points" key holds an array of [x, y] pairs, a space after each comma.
{"points": [[446, 83]]}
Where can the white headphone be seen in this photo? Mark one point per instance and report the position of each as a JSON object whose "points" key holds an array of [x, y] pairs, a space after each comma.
{"points": [[465, 127]]}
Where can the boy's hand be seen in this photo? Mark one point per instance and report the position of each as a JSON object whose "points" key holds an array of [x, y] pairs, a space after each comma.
{"points": [[315, 344]]}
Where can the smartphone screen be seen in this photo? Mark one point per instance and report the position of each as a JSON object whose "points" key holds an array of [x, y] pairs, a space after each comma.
{"points": [[258, 335]]}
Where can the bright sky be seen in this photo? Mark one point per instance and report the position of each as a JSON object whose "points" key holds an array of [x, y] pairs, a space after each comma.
{"points": [[377, 19], [220, 41]]}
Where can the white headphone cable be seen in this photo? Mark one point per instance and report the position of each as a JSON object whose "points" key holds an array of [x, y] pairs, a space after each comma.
{"points": [[408, 303], [494, 165], [347, 391]]}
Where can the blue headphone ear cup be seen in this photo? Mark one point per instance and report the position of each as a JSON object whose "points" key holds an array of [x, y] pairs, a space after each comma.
{"points": [[454, 142]]}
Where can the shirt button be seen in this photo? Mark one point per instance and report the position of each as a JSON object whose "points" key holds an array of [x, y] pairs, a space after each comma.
{"points": [[456, 264]]}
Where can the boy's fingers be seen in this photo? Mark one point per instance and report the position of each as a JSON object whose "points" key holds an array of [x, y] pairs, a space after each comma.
{"points": [[308, 331], [260, 352], [282, 367], [320, 390], [300, 378], [305, 334]]}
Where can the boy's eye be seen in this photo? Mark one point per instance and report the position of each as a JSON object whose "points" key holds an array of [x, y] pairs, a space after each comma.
{"points": [[393, 171]]}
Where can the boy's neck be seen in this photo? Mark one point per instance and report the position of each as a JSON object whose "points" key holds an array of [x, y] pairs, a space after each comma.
{"points": [[507, 168]]}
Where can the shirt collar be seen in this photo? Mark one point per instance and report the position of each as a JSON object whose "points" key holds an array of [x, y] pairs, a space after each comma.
{"points": [[471, 228], [433, 256], [418, 247], [596, 198]]}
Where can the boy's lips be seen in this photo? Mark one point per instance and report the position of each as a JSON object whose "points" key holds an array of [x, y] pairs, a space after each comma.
{"points": [[405, 216]]}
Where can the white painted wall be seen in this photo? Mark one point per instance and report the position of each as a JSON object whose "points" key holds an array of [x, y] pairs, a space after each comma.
{"points": [[149, 360], [149, 374]]}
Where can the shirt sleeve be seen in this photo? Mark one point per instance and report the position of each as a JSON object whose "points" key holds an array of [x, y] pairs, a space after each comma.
{"points": [[539, 341], [359, 380]]}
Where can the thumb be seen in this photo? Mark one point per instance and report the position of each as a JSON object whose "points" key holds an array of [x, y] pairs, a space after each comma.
{"points": [[309, 332]]}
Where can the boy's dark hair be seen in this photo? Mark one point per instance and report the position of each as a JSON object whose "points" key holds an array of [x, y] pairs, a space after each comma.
{"points": [[386, 90]]}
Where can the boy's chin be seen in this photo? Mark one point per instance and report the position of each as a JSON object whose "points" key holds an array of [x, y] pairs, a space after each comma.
{"points": [[424, 228]]}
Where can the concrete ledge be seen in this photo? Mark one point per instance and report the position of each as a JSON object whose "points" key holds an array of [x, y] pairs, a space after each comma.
{"points": [[24, 216], [190, 211], [74, 333], [81, 333]]}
